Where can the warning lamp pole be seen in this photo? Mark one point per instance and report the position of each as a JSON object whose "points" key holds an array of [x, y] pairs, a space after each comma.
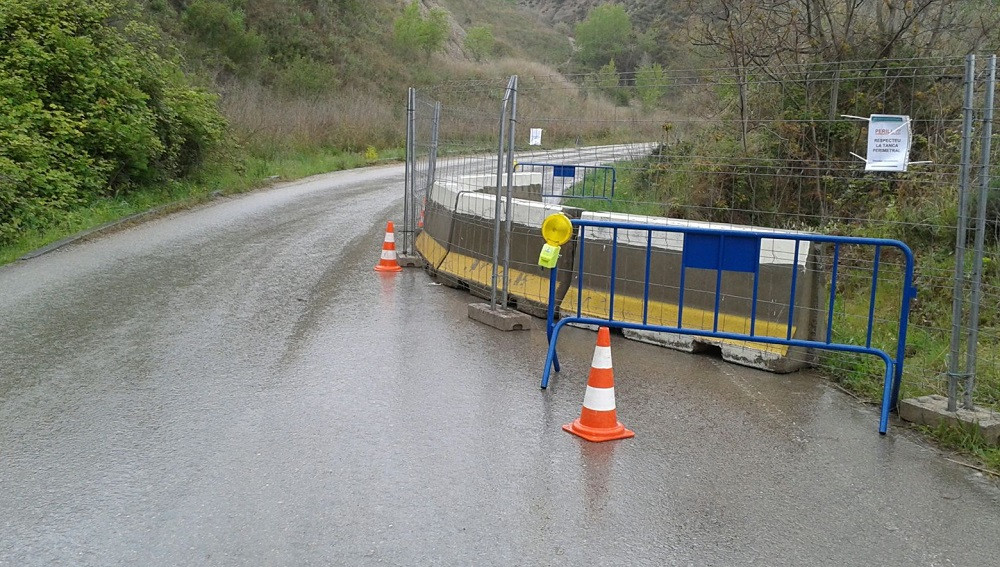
{"points": [[557, 230]]}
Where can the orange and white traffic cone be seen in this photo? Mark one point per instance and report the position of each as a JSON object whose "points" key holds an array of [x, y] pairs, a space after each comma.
{"points": [[598, 420], [388, 263]]}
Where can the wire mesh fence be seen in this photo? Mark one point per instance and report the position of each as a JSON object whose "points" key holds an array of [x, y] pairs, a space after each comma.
{"points": [[778, 149]]}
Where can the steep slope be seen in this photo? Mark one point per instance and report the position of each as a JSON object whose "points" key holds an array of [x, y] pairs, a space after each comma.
{"points": [[520, 31], [664, 24], [643, 12]]}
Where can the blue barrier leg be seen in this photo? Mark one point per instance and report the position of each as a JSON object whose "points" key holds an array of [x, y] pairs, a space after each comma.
{"points": [[550, 321], [550, 357], [548, 365], [904, 321], [883, 424]]}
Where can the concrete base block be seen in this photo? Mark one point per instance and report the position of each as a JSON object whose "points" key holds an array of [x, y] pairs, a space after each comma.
{"points": [[751, 357], [675, 341], [499, 318], [582, 326], [764, 360], [933, 410], [409, 261]]}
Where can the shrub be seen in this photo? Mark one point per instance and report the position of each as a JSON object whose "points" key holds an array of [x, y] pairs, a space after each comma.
{"points": [[650, 85], [86, 110], [606, 34], [215, 25], [479, 42], [413, 32], [306, 77]]}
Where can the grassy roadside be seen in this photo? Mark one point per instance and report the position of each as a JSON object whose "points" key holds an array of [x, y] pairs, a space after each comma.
{"points": [[224, 178]]}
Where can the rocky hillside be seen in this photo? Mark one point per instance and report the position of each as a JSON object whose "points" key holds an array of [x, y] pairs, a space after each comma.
{"points": [[572, 11], [663, 23]]}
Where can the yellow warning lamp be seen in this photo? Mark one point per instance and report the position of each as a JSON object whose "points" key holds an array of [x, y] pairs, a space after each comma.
{"points": [[556, 230]]}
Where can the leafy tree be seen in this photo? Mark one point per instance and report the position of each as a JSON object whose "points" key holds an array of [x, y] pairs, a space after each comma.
{"points": [[606, 34], [413, 32], [479, 42], [608, 80], [607, 77], [87, 108], [407, 28], [435, 32], [650, 84]]}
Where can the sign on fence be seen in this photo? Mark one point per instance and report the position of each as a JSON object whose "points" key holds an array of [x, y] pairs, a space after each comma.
{"points": [[888, 142], [536, 137]]}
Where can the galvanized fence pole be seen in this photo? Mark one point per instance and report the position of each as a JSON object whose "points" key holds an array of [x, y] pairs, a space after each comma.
{"points": [[432, 163], [980, 244], [963, 205], [510, 190], [499, 181], [409, 183]]}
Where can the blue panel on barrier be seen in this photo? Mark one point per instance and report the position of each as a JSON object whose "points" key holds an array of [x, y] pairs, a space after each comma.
{"points": [[739, 253], [563, 171]]}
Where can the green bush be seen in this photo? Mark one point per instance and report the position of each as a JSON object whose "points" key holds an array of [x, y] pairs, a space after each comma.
{"points": [[215, 25], [306, 77], [414, 33], [479, 42], [650, 85], [86, 110], [605, 35]]}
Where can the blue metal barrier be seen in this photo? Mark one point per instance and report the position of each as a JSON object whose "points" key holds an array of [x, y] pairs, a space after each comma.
{"points": [[739, 251], [596, 181]]}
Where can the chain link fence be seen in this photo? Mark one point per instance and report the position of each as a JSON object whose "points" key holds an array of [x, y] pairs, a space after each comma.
{"points": [[777, 149]]}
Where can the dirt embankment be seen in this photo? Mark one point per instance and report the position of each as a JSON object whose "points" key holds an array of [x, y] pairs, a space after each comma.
{"points": [[572, 11]]}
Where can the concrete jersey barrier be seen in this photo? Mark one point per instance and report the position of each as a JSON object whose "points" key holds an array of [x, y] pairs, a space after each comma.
{"points": [[457, 243], [777, 263]]}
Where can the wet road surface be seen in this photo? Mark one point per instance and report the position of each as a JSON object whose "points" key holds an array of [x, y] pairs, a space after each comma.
{"points": [[235, 385]]}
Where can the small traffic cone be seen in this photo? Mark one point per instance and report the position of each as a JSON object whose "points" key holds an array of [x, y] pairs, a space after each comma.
{"points": [[388, 263], [598, 420]]}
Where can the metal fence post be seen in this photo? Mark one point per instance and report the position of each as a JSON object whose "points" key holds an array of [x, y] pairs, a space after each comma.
{"points": [[963, 205], [432, 163], [510, 190], [409, 176], [977, 265], [499, 180]]}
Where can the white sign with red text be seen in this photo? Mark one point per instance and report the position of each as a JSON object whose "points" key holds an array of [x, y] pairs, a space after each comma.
{"points": [[888, 142]]}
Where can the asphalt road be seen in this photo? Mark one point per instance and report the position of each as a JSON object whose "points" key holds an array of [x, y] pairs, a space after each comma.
{"points": [[235, 385]]}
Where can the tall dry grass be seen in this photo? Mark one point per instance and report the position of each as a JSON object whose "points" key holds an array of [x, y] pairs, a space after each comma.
{"points": [[349, 119], [564, 107], [352, 119]]}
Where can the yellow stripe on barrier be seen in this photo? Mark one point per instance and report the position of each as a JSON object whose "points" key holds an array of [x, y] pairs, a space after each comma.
{"points": [[472, 270], [595, 303], [629, 309], [429, 248]]}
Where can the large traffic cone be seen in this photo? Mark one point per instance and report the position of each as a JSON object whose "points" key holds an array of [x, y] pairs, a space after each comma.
{"points": [[388, 263], [598, 420]]}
